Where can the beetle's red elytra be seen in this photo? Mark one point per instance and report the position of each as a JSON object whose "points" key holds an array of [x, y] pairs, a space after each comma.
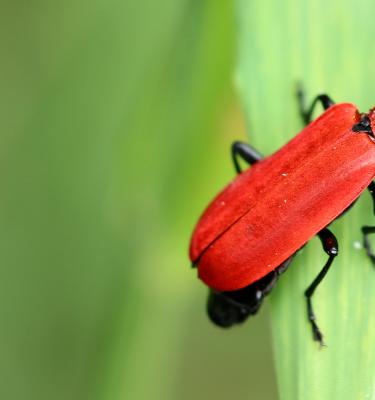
{"points": [[249, 233]]}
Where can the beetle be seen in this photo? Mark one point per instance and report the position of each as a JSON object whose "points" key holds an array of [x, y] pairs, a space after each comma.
{"points": [[249, 234]]}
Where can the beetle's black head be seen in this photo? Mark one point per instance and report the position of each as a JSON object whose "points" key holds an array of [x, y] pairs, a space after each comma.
{"points": [[224, 311], [366, 124]]}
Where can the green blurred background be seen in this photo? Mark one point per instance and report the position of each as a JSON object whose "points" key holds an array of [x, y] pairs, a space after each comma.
{"points": [[116, 121]]}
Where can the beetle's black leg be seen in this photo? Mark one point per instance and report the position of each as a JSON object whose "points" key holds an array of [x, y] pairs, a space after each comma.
{"points": [[306, 113], [244, 150], [330, 246], [371, 189], [366, 230]]}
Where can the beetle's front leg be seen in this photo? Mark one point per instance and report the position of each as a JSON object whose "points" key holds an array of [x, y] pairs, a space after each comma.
{"points": [[367, 230], [246, 152], [306, 113]]}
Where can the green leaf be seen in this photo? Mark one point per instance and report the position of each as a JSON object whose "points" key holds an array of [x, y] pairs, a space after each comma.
{"points": [[327, 46]]}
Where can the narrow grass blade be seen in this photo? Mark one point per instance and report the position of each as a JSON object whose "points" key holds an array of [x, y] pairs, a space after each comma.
{"points": [[327, 47]]}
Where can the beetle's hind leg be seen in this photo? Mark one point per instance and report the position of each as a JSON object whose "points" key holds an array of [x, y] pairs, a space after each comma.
{"points": [[330, 246], [306, 113], [367, 230], [246, 152]]}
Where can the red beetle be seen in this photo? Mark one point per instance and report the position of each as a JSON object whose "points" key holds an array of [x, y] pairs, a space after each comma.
{"points": [[250, 232]]}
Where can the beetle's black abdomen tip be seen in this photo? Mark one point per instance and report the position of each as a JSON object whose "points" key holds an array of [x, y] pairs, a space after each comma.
{"points": [[223, 312]]}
